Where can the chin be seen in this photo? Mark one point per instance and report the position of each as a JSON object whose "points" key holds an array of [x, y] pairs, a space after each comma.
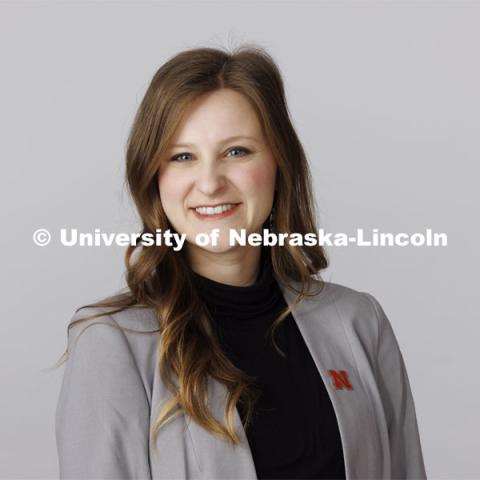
{"points": [[218, 249]]}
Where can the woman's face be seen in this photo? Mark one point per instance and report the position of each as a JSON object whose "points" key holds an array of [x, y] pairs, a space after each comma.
{"points": [[205, 167]]}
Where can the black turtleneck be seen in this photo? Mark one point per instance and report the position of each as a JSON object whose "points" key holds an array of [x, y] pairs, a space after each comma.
{"points": [[294, 431]]}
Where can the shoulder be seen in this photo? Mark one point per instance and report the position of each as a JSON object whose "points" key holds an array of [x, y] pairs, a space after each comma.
{"points": [[130, 336], [105, 322], [102, 320], [345, 312], [360, 312], [351, 301], [136, 317]]}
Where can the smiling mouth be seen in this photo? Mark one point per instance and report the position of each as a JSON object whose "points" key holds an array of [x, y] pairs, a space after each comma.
{"points": [[215, 212]]}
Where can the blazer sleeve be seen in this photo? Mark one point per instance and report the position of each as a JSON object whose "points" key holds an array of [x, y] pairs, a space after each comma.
{"points": [[102, 415], [394, 387]]}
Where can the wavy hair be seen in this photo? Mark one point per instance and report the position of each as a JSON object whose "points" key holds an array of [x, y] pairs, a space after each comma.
{"points": [[159, 278]]}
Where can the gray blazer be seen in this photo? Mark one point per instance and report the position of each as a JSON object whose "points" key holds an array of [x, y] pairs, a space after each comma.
{"points": [[110, 395]]}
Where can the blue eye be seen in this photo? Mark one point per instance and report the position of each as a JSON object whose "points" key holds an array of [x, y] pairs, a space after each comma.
{"points": [[175, 158], [244, 150]]}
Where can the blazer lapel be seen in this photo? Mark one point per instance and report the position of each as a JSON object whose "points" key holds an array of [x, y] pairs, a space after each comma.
{"points": [[324, 334]]}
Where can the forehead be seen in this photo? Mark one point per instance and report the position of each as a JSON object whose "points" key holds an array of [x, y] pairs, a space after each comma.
{"points": [[217, 116]]}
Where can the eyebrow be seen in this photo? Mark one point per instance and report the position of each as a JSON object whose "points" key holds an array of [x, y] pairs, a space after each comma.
{"points": [[226, 140]]}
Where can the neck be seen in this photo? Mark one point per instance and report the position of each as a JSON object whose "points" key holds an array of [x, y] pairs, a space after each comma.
{"points": [[237, 267]]}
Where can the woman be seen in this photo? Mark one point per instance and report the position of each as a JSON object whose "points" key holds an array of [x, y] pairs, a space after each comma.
{"points": [[230, 361]]}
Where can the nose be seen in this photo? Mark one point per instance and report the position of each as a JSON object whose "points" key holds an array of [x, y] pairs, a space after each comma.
{"points": [[210, 179]]}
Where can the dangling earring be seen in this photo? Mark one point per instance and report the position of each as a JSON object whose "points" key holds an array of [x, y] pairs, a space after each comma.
{"points": [[272, 212]]}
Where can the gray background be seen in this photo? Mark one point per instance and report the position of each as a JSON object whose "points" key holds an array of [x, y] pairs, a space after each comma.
{"points": [[385, 98]]}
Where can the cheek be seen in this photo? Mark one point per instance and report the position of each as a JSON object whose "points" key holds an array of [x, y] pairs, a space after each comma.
{"points": [[259, 178], [172, 189]]}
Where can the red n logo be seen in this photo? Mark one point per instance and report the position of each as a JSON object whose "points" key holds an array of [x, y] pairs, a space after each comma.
{"points": [[340, 379]]}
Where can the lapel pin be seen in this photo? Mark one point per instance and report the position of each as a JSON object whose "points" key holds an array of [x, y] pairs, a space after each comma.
{"points": [[340, 379]]}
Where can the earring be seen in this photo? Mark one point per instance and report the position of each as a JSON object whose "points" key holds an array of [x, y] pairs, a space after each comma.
{"points": [[272, 213]]}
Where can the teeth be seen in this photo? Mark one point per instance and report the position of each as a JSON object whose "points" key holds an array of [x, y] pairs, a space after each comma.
{"points": [[214, 210]]}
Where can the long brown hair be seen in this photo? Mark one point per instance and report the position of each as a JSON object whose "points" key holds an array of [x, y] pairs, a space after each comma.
{"points": [[189, 350]]}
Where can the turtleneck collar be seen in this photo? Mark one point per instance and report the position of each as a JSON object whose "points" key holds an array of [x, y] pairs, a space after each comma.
{"points": [[241, 304]]}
